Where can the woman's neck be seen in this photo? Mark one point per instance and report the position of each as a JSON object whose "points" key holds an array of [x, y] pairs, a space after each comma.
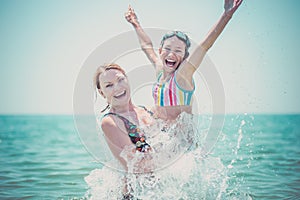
{"points": [[122, 109]]}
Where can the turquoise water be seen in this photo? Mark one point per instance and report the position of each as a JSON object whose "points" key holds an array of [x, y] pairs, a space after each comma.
{"points": [[42, 157]]}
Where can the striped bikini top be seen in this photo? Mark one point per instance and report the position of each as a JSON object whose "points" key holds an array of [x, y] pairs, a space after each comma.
{"points": [[171, 94]]}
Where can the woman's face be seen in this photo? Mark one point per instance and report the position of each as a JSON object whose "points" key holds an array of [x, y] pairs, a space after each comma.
{"points": [[114, 87], [172, 53]]}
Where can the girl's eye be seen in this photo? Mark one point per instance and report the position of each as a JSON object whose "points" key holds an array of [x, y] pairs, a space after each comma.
{"points": [[109, 85], [167, 49], [121, 79]]}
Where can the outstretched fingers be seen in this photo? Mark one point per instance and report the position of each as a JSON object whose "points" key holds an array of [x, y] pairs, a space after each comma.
{"points": [[130, 8], [237, 3], [130, 15]]}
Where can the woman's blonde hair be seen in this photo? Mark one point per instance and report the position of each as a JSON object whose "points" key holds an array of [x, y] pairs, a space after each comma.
{"points": [[104, 68]]}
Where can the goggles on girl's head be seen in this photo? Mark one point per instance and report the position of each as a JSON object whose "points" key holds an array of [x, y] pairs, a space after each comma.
{"points": [[180, 35]]}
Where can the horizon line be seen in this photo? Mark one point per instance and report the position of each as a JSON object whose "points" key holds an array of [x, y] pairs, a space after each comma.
{"points": [[227, 113]]}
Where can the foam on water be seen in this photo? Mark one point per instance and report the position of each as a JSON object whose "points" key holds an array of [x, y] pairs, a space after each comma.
{"points": [[174, 169]]}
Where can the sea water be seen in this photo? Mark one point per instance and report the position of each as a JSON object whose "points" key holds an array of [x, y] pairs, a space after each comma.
{"points": [[255, 157]]}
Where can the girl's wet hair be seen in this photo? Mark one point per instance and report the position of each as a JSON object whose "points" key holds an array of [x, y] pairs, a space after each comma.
{"points": [[181, 36]]}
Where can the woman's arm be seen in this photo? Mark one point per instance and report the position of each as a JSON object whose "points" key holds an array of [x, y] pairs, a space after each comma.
{"points": [[192, 64], [115, 138], [144, 39]]}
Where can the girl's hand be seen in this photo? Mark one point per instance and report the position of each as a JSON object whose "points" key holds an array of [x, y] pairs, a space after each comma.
{"points": [[231, 6], [131, 17]]}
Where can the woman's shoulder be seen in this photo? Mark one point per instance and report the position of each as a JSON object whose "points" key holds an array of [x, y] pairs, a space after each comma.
{"points": [[108, 123]]}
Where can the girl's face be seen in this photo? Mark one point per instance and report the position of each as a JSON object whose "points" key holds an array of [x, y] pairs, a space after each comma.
{"points": [[114, 87], [172, 53]]}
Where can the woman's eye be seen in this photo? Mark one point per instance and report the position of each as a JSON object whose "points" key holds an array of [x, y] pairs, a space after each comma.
{"points": [[109, 85], [167, 49]]}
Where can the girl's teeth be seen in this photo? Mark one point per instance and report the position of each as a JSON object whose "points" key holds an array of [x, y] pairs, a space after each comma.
{"points": [[170, 60]]}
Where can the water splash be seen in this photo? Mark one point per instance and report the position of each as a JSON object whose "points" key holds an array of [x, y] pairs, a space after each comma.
{"points": [[235, 149], [240, 136], [175, 169]]}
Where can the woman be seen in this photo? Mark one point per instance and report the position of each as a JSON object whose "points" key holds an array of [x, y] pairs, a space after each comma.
{"points": [[122, 124], [174, 69]]}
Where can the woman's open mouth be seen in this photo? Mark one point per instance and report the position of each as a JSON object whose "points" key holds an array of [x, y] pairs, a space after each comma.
{"points": [[121, 94]]}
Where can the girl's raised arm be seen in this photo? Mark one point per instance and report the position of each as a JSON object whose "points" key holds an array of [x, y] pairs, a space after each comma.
{"points": [[144, 39], [192, 64]]}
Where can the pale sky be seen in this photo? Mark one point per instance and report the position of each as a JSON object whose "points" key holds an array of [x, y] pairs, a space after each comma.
{"points": [[44, 45]]}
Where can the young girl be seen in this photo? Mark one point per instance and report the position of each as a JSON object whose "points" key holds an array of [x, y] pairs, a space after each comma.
{"points": [[174, 69]]}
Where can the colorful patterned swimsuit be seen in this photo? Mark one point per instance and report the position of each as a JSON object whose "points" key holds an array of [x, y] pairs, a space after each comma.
{"points": [[170, 93], [134, 133]]}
